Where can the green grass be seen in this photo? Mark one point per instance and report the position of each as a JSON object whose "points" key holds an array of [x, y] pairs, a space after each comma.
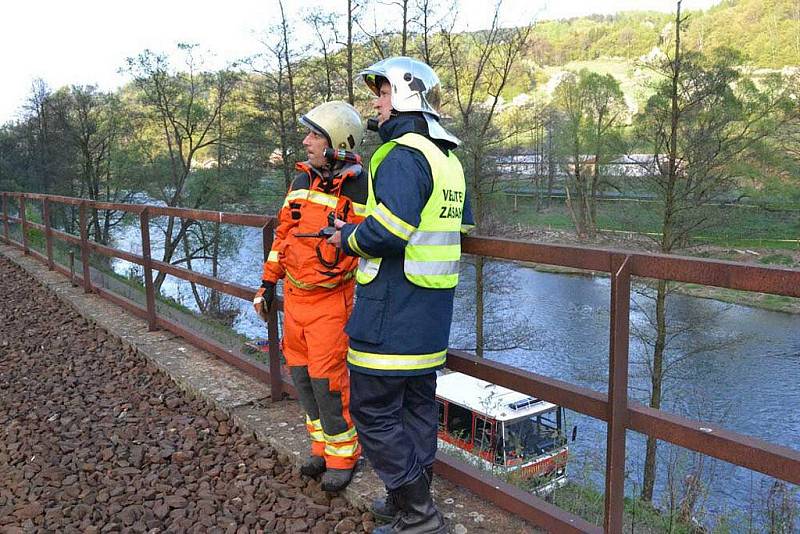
{"points": [[735, 227], [777, 259], [639, 516]]}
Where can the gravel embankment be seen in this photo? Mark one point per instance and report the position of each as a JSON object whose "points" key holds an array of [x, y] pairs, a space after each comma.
{"points": [[94, 439]]}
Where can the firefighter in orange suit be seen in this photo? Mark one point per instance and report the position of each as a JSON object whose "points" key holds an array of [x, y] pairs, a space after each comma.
{"points": [[318, 286]]}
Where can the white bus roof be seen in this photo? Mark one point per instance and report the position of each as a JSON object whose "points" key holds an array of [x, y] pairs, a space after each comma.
{"points": [[491, 400]]}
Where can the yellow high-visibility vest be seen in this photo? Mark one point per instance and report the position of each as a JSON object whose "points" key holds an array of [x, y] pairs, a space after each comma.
{"points": [[433, 251]]}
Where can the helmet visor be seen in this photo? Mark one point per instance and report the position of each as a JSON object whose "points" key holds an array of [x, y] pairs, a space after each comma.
{"points": [[316, 128], [374, 82]]}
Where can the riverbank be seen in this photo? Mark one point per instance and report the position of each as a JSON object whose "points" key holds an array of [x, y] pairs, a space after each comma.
{"points": [[761, 257]]}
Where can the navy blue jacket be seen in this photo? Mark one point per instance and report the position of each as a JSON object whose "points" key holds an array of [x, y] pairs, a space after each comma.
{"points": [[392, 315]]}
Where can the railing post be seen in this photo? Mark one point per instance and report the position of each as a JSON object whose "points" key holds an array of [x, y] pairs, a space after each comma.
{"points": [[149, 289], [48, 234], [5, 216], [275, 375], [617, 392], [87, 277], [24, 225], [72, 268]]}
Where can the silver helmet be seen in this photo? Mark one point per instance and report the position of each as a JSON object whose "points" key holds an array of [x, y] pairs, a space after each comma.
{"points": [[415, 87]]}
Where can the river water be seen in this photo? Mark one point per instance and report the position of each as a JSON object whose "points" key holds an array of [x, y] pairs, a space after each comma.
{"points": [[732, 365]]}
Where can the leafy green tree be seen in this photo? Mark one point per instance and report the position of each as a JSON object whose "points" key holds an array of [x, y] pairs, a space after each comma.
{"points": [[12, 161], [50, 160], [180, 111], [703, 119], [480, 66], [592, 109], [90, 120]]}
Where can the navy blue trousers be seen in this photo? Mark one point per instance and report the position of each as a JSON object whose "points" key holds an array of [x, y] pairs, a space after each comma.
{"points": [[396, 418]]}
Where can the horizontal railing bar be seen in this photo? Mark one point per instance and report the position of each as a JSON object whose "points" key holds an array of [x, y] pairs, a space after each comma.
{"points": [[116, 206], [223, 217], [511, 498], [735, 448], [753, 453], [53, 198], [244, 219], [576, 398], [718, 273], [252, 368], [116, 253], [229, 288], [38, 255], [562, 255], [69, 238], [703, 271]]}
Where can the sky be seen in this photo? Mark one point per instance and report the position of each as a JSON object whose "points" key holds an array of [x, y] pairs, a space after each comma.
{"points": [[85, 42]]}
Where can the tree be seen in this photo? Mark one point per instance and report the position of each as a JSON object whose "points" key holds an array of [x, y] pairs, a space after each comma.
{"points": [[703, 120], [405, 18], [351, 17], [12, 159], [183, 107], [592, 108], [276, 93], [431, 18], [324, 24], [480, 66], [49, 157], [90, 121], [288, 61]]}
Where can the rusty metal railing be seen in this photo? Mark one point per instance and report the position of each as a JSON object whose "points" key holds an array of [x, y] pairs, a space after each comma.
{"points": [[270, 374], [615, 408]]}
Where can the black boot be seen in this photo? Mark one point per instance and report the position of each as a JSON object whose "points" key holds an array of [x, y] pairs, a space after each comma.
{"points": [[385, 508], [313, 466], [336, 479], [418, 514]]}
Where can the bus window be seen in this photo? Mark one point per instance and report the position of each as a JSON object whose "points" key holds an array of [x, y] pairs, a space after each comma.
{"points": [[459, 422], [440, 405], [499, 448], [533, 436], [483, 434]]}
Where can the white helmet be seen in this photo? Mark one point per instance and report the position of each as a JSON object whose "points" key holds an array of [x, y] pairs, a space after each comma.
{"points": [[415, 87], [338, 122]]}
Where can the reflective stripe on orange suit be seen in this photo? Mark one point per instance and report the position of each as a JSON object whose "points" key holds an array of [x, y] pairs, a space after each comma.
{"points": [[314, 338], [318, 299], [306, 210]]}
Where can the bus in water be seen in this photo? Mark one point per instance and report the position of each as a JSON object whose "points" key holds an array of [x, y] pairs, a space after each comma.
{"points": [[503, 431]]}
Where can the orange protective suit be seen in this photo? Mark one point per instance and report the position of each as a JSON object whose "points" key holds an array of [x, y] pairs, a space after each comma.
{"points": [[318, 298]]}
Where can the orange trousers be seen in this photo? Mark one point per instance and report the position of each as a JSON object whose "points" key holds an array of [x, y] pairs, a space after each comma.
{"points": [[315, 346]]}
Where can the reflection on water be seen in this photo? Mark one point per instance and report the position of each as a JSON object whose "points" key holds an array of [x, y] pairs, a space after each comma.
{"points": [[732, 365]]}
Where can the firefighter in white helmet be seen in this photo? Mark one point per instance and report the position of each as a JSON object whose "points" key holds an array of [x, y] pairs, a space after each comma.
{"points": [[409, 250]]}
